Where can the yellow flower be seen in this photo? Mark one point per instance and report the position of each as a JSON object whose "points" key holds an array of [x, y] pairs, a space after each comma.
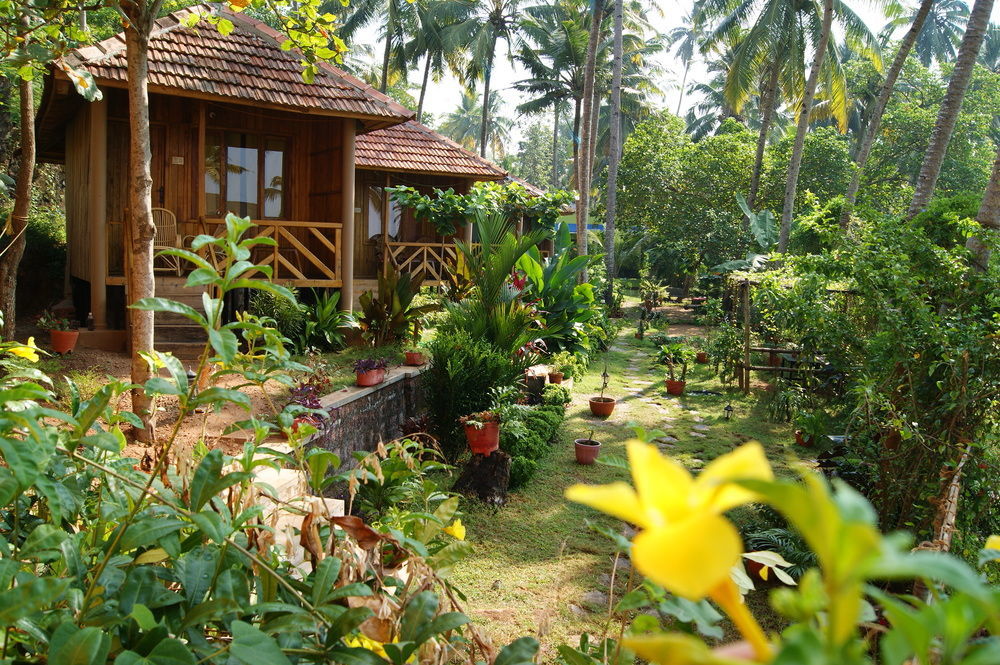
{"points": [[364, 642], [992, 543], [30, 352], [456, 529], [685, 545]]}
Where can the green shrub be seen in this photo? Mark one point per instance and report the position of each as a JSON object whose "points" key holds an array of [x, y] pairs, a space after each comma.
{"points": [[521, 471], [526, 435], [43, 263], [555, 395], [462, 378]]}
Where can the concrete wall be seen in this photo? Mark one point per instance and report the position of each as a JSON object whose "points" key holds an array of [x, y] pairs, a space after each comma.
{"points": [[361, 417]]}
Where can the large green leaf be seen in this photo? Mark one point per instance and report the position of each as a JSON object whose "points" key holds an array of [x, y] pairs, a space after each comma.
{"points": [[519, 652], [87, 646], [250, 646], [29, 597]]}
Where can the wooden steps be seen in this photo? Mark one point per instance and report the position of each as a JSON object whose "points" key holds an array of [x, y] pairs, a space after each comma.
{"points": [[176, 333]]}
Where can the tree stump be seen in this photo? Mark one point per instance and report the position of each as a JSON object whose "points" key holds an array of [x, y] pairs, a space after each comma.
{"points": [[486, 478]]}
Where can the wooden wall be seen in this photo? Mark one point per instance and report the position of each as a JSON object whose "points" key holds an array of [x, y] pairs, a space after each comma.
{"points": [[77, 194]]}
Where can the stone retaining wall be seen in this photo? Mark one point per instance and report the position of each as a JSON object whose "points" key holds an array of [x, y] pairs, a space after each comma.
{"points": [[361, 417]]}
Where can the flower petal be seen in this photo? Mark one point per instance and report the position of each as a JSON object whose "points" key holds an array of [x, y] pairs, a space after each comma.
{"points": [[992, 543], [617, 499], [664, 486], [675, 649], [689, 558], [746, 462]]}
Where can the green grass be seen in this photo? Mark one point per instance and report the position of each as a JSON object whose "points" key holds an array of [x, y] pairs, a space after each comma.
{"points": [[536, 556]]}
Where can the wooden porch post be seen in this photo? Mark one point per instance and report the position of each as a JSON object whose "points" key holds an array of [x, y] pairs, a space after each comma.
{"points": [[347, 213], [97, 222]]}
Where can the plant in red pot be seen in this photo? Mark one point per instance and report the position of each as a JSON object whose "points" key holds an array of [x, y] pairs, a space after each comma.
{"points": [[676, 356], [370, 371], [602, 406], [587, 449], [482, 431], [62, 332], [810, 428], [307, 394], [415, 355]]}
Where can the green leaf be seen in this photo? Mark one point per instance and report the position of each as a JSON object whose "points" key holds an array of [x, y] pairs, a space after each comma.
{"points": [[212, 525], [519, 652], [87, 646], [44, 543], [324, 579], [143, 616], [250, 646], [172, 651], [354, 656], [195, 570], [225, 344], [171, 307], [418, 613], [29, 597], [147, 531]]}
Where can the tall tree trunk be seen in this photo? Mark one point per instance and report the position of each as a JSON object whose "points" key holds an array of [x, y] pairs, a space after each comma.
{"points": [[484, 123], [555, 148], [141, 283], [975, 31], [800, 135], [574, 181], [615, 152], [587, 157], [423, 88], [10, 258], [769, 104], [387, 52], [684, 78], [871, 131], [988, 217]]}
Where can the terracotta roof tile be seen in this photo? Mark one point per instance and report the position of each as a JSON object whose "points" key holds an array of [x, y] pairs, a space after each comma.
{"points": [[414, 147], [246, 65]]}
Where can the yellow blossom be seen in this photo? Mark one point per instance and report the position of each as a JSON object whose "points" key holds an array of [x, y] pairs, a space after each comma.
{"points": [[684, 543], [29, 352], [992, 543], [456, 529]]}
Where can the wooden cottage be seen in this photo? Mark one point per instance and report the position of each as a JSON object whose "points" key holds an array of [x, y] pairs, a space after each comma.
{"points": [[235, 129]]}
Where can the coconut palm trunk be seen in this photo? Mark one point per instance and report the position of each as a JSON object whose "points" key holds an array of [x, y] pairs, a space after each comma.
{"points": [[575, 179], [586, 157], [871, 131], [10, 258], [615, 151], [387, 51], [484, 126], [961, 75], [795, 164], [140, 197], [423, 88], [988, 217], [555, 148], [684, 78], [769, 104]]}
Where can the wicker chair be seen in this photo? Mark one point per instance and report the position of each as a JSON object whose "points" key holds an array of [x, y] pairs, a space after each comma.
{"points": [[166, 238]]}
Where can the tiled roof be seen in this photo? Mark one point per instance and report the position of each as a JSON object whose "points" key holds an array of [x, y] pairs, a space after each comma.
{"points": [[415, 148], [246, 65]]}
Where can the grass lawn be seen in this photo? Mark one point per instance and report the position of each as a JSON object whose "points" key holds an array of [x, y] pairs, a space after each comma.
{"points": [[536, 563]]}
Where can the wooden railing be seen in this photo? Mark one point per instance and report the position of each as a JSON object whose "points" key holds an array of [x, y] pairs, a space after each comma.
{"points": [[304, 254], [432, 258]]}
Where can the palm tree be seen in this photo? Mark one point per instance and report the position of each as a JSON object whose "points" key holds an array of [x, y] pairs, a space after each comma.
{"points": [[397, 17], [687, 38], [492, 22], [614, 151], [463, 124], [941, 29], [975, 32], [869, 133], [989, 55], [436, 42], [769, 57], [587, 138], [795, 163]]}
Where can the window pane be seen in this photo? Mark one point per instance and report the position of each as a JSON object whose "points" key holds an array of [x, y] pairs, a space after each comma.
{"points": [[274, 164], [213, 171], [374, 212], [241, 175], [395, 217]]}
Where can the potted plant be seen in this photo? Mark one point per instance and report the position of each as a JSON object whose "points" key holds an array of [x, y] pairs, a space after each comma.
{"points": [[370, 371], [674, 354], [482, 431], [62, 333], [307, 394], [560, 366], [700, 355], [415, 356], [602, 406], [810, 428], [587, 449]]}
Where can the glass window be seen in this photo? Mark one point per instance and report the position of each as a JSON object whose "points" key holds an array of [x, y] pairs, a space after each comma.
{"points": [[244, 174]]}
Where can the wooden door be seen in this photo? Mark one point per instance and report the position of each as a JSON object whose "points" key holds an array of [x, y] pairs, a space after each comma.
{"points": [[158, 150]]}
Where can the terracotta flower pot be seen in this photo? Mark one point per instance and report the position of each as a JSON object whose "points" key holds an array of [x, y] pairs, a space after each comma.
{"points": [[483, 440], [802, 440], [556, 377], [602, 407], [587, 451], [305, 420], [702, 357], [415, 358], [370, 378], [63, 341], [675, 387], [892, 439]]}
